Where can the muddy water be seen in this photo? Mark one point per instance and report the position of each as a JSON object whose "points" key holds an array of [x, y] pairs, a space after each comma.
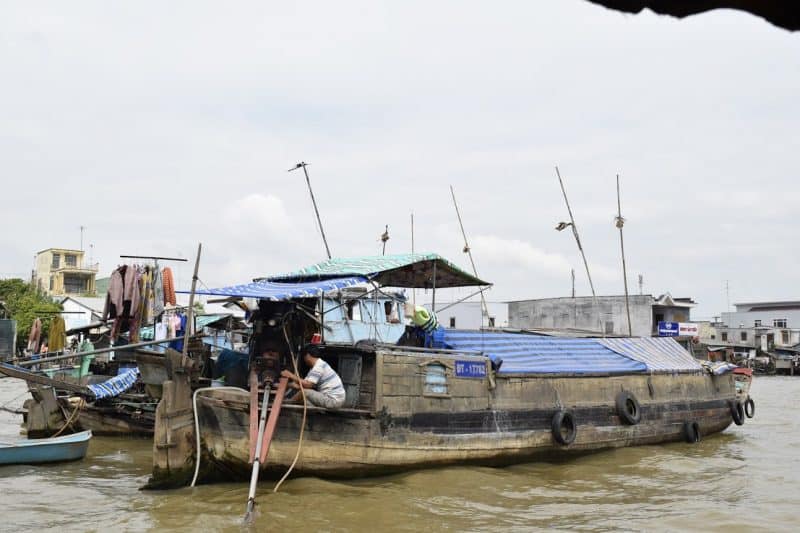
{"points": [[747, 478]]}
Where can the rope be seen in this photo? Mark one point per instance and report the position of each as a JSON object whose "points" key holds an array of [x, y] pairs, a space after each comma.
{"points": [[305, 410], [197, 426], [81, 403]]}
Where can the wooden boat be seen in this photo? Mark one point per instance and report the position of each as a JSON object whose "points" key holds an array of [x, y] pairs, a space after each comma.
{"points": [[436, 398], [35, 451]]}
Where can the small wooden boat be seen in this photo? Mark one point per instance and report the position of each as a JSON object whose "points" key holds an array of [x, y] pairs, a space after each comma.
{"points": [[53, 450]]}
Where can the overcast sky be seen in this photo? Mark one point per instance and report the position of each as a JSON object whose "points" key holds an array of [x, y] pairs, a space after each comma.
{"points": [[158, 126]]}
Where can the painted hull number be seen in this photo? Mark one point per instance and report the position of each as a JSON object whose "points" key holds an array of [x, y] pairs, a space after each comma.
{"points": [[470, 369]]}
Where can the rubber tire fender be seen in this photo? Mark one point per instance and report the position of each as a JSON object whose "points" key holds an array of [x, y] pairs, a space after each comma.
{"points": [[627, 402], [564, 419], [737, 412], [691, 431], [749, 407]]}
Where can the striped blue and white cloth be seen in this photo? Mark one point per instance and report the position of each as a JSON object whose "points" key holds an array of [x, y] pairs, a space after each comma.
{"points": [[116, 385], [660, 354]]}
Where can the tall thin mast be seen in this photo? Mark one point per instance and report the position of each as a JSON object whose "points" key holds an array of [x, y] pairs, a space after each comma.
{"points": [[468, 251], [563, 225], [303, 164], [619, 223]]}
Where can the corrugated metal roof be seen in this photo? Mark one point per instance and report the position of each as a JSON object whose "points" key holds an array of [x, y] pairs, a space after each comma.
{"points": [[400, 270]]}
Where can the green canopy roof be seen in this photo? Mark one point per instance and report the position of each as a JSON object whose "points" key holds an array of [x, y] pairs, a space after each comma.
{"points": [[402, 270]]}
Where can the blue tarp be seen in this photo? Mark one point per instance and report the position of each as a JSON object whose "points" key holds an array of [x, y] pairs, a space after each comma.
{"points": [[521, 353], [658, 353], [270, 290], [116, 385]]}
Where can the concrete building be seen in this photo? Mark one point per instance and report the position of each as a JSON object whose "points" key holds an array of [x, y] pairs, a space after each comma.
{"points": [[61, 272], [763, 326], [81, 311], [467, 315], [606, 315]]}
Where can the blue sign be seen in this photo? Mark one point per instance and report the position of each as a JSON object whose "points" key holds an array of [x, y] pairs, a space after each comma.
{"points": [[668, 329], [470, 369]]}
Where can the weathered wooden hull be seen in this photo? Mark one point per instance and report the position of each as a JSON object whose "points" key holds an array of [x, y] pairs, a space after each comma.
{"points": [[110, 422], [514, 425]]}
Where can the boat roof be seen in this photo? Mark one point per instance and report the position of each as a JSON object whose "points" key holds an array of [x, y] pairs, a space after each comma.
{"points": [[417, 271]]}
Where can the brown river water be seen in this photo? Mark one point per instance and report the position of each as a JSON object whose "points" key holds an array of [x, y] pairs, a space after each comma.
{"points": [[744, 479]]}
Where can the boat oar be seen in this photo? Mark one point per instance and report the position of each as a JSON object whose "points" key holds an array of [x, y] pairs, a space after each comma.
{"points": [[262, 424]]}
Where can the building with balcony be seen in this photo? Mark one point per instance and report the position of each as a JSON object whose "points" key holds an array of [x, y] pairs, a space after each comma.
{"points": [[63, 272]]}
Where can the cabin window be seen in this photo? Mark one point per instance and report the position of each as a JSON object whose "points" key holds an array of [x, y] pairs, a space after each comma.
{"points": [[435, 379], [353, 310], [757, 323], [744, 335], [452, 321], [392, 314], [491, 321], [779, 322], [784, 337], [725, 336]]}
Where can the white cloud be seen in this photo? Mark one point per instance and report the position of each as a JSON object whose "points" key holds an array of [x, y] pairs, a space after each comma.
{"points": [[513, 253]]}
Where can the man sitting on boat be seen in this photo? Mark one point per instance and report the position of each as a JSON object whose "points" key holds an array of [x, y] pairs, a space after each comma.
{"points": [[323, 386]]}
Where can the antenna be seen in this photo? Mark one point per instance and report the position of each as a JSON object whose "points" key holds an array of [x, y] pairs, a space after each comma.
{"points": [[303, 165], [727, 296], [468, 251], [82, 228], [641, 284], [572, 273]]}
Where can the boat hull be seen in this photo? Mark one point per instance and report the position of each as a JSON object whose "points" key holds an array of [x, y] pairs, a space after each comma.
{"points": [[351, 443], [52, 450]]}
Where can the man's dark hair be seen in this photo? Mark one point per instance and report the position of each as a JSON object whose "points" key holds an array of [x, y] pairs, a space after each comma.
{"points": [[312, 349]]}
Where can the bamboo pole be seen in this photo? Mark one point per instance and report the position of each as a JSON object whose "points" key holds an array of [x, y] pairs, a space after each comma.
{"points": [[621, 222], [190, 312], [468, 250]]}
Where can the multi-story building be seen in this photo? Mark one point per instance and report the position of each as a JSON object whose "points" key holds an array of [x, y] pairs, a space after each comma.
{"points": [[763, 326], [62, 272]]}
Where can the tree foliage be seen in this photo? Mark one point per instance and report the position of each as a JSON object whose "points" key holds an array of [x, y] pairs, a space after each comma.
{"points": [[25, 303]]}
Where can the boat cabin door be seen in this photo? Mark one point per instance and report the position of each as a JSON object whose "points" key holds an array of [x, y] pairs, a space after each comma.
{"points": [[350, 373]]}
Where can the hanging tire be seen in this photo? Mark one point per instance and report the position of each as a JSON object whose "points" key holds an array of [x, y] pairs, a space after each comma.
{"points": [[691, 432], [628, 408], [564, 428], [737, 412], [749, 407]]}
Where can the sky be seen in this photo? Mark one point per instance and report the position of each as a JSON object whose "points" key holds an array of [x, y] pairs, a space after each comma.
{"points": [[160, 126]]}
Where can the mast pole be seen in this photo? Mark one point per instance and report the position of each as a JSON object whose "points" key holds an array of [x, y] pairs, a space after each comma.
{"points": [[303, 165], [580, 248], [621, 222], [468, 251]]}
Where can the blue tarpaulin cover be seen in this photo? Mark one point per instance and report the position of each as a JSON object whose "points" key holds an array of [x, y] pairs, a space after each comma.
{"points": [[116, 385], [275, 291], [521, 353], [658, 353]]}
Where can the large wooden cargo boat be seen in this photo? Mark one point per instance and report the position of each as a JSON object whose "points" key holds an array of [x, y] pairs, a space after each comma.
{"points": [[433, 397]]}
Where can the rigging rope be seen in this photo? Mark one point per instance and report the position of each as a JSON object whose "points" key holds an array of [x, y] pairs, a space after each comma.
{"points": [[305, 408]]}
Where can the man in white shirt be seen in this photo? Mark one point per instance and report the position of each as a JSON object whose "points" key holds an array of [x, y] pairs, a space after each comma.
{"points": [[323, 386]]}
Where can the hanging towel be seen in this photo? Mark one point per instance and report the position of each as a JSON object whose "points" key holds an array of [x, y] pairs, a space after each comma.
{"points": [[158, 293], [35, 335], [169, 286], [57, 335]]}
